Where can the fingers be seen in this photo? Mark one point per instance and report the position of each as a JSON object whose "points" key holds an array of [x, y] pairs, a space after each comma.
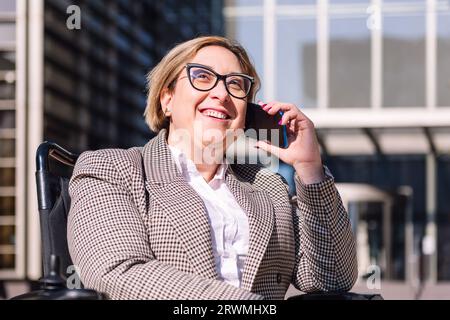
{"points": [[274, 150], [273, 107], [288, 116], [292, 116]]}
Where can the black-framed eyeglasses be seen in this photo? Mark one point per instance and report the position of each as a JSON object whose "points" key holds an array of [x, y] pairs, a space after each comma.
{"points": [[203, 78]]}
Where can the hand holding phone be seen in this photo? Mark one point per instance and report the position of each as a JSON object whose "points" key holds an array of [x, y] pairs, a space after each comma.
{"points": [[265, 126]]}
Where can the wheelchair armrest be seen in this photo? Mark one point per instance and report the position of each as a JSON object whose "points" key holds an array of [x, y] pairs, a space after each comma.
{"points": [[53, 287], [336, 296], [61, 294]]}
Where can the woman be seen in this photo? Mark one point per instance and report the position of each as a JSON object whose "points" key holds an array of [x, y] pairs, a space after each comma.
{"points": [[160, 222]]}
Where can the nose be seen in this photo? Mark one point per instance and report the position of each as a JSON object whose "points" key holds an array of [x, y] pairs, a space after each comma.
{"points": [[220, 92]]}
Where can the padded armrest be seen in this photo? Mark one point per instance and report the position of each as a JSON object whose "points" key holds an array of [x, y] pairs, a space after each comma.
{"points": [[336, 296], [62, 294]]}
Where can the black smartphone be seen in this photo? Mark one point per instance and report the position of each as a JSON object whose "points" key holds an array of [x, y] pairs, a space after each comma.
{"points": [[262, 126]]}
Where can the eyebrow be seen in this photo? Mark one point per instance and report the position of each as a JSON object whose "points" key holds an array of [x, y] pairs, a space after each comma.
{"points": [[233, 72]]}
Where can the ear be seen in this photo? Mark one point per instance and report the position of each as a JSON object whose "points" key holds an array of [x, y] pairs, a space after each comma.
{"points": [[166, 101]]}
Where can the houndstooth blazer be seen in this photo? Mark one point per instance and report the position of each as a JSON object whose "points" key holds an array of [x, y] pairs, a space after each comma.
{"points": [[137, 230]]}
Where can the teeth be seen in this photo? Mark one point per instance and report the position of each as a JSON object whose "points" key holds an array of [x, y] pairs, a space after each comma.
{"points": [[215, 114]]}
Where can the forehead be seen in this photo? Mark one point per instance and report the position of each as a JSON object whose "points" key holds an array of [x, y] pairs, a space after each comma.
{"points": [[218, 58]]}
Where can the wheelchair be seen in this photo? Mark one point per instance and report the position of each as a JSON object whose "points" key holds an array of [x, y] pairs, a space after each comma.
{"points": [[52, 181]]}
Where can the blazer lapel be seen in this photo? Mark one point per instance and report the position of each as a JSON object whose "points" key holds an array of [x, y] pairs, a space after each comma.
{"points": [[258, 206], [181, 203], [188, 215]]}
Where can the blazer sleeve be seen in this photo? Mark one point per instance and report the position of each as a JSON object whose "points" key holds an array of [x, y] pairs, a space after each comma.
{"points": [[324, 240], [108, 241]]}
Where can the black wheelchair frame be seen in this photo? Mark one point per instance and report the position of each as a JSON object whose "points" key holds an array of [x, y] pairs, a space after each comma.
{"points": [[53, 206]]}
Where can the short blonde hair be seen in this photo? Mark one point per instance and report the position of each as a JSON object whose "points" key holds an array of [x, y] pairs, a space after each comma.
{"points": [[164, 74]]}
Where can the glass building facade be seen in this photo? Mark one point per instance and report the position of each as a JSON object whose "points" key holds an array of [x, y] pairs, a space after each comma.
{"points": [[8, 136], [373, 77], [94, 77]]}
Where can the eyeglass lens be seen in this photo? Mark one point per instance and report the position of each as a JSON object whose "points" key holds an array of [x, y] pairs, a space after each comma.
{"points": [[204, 80]]}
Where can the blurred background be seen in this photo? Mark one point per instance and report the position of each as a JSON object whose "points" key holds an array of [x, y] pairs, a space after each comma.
{"points": [[374, 76]]}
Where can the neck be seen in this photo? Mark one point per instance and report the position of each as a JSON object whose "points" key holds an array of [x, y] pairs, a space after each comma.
{"points": [[195, 153], [207, 170]]}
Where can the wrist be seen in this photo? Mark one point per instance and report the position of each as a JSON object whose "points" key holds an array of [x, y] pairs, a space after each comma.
{"points": [[310, 172]]}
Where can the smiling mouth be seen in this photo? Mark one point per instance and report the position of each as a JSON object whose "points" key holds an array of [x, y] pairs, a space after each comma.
{"points": [[215, 114]]}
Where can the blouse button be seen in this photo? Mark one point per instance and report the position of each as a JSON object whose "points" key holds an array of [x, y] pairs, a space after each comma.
{"points": [[278, 277]]}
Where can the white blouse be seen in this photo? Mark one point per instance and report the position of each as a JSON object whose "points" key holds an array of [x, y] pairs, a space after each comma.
{"points": [[228, 222]]}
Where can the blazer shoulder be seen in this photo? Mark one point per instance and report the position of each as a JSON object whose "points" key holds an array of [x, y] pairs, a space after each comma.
{"points": [[108, 161], [114, 155]]}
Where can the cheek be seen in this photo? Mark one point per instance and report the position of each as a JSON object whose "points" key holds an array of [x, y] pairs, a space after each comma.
{"points": [[186, 98], [186, 106], [241, 115]]}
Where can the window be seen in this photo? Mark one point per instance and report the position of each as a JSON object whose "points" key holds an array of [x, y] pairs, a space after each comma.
{"points": [[296, 2], [7, 235], [349, 78], [367, 225], [7, 60], [443, 59], [7, 136], [7, 177], [7, 206], [7, 119], [239, 3], [443, 218], [7, 242], [349, 1], [7, 149], [248, 32], [404, 60], [8, 5], [296, 61], [7, 32], [7, 90]]}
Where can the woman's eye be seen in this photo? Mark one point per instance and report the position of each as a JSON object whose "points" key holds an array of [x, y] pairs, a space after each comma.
{"points": [[201, 75], [235, 83]]}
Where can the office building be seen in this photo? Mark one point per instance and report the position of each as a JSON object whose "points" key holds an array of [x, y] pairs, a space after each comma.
{"points": [[373, 77], [74, 72]]}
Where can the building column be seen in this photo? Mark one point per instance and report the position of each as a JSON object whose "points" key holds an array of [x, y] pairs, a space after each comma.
{"points": [[269, 43], [429, 244], [35, 128], [21, 131]]}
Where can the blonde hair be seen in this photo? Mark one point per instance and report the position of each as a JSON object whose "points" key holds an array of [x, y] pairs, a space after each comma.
{"points": [[164, 74]]}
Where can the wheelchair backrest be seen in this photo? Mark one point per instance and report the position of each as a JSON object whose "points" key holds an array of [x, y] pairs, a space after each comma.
{"points": [[54, 166]]}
